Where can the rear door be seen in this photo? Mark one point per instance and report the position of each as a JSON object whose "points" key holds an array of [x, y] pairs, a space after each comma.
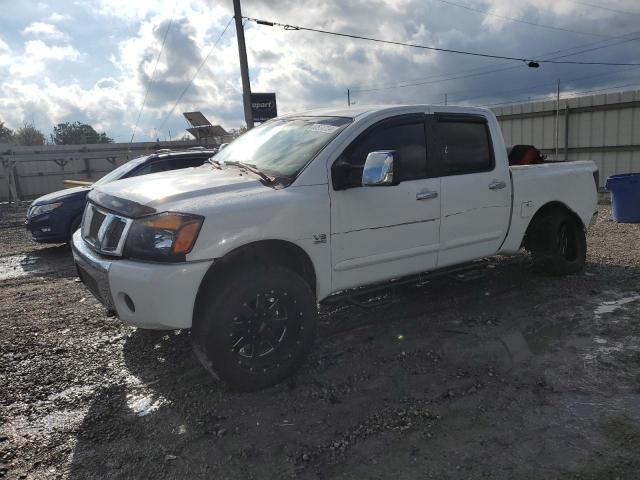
{"points": [[476, 190], [378, 233]]}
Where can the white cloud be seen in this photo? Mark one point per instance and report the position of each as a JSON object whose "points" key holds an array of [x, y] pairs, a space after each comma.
{"points": [[59, 17], [305, 69], [37, 54], [3, 46], [135, 11], [44, 30]]}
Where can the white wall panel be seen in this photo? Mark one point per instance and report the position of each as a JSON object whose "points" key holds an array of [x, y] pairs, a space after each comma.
{"points": [[614, 131]]}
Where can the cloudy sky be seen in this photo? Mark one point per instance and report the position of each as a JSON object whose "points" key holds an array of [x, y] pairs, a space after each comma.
{"points": [[92, 60]]}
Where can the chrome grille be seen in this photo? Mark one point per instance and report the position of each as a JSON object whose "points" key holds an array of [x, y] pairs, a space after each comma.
{"points": [[113, 234], [103, 231], [94, 226]]}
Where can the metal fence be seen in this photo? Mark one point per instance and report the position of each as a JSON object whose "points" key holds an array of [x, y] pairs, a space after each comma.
{"points": [[603, 128], [28, 172]]}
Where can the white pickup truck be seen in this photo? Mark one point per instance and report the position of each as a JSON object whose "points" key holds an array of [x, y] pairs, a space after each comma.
{"points": [[306, 206]]}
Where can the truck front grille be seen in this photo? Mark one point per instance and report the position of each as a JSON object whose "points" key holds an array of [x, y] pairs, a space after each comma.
{"points": [[103, 231]]}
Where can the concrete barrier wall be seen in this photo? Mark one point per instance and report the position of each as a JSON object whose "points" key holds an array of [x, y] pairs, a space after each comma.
{"points": [[35, 171]]}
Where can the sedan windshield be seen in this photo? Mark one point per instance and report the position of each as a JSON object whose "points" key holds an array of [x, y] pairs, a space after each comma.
{"points": [[283, 147], [121, 171]]}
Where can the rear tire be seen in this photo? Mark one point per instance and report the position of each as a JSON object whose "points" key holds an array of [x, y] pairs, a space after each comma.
{"points": [[254, 326], [558, 244]]}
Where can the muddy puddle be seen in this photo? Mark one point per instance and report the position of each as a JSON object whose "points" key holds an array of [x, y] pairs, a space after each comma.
{"points": [[53, 261]]}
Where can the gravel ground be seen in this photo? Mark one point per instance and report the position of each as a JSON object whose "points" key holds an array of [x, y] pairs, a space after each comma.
{"points": [[499, 373]]}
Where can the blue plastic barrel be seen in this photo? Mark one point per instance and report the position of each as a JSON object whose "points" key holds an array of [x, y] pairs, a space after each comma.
{"points": [[625, 197]]}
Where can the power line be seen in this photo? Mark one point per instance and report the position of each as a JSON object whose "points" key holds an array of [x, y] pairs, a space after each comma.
{"points": [[195, 74], [531, 62], [519, 20], [483, 70], [623, 12], [552, 97], [144, 100], [528, 87], [409, 83], [388, 42], [600, 48], [429, 82]]}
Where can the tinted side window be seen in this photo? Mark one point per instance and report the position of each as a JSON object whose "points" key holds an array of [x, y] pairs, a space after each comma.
{"points": [[408, 139], [465, 147], [185, 162], [155, 167]]}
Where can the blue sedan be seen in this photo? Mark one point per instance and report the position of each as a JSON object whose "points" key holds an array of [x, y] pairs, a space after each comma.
{"points": [[54, 217]]}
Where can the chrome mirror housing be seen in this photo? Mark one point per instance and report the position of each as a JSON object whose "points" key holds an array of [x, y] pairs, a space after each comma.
{"points": [[380, 169]]}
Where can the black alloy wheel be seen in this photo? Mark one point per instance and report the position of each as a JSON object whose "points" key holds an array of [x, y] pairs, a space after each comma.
{"points": [[254, 325]]}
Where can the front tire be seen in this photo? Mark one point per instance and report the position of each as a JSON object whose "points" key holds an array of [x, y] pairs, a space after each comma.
{"points": [[558, 244], [254, 326]]}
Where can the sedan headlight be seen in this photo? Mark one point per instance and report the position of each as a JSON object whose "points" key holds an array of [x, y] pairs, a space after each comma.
{"points": [[164, 237], [42, 209]]}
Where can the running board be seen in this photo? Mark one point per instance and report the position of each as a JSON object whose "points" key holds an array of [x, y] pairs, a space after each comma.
{"points": [[355, 295]]}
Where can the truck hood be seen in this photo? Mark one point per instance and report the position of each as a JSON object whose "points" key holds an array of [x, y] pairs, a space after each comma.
{"points": [[162, 191], [76, 193]]}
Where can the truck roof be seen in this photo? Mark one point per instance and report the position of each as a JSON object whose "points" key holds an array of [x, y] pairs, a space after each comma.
{"points": [[366, 110]]}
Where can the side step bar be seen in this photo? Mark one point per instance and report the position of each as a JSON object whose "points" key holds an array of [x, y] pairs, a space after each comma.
{"points": [[361, 296]]}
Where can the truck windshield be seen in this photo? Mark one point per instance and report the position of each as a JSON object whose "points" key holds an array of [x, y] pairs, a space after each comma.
{"points": [[283, 147], [121, 171]]}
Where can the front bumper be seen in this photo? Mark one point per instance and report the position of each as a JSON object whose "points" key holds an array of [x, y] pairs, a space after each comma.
{"points": [[42, 230], [146, 295]]}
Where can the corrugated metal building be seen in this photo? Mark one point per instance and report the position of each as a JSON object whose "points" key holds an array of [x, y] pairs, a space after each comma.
{"points": [[603, 128]]}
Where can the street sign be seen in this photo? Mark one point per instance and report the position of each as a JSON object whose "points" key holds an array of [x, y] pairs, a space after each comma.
{"points": [[263, 106]]}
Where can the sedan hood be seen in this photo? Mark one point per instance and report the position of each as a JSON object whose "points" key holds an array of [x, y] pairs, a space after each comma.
{"points": [[76, 193], [160, 191]]}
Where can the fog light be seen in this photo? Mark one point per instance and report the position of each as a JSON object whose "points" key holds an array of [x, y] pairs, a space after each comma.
{"points": [[45, 229]]}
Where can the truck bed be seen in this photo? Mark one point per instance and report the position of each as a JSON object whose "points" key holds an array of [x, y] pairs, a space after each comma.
{"points": [[573, 184]]}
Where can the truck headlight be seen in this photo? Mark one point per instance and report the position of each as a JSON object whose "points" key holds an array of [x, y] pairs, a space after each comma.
{"points": [[42, 209], [164, 237]]}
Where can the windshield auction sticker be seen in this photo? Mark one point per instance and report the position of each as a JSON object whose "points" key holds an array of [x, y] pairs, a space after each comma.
{"points": [[319, 127]]}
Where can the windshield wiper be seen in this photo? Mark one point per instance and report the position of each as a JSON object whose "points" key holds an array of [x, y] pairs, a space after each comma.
{"points": [[252, 169], [215, 163]]}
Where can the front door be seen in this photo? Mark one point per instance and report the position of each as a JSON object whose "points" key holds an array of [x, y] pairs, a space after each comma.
{"points": [[380, 233]]}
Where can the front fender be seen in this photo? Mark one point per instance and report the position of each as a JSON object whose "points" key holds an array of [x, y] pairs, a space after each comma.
{"points": [[297, 214]]}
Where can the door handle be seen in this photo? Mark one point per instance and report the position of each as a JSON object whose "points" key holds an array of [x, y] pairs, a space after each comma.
{"points": [[428, 195], [497, 185]]}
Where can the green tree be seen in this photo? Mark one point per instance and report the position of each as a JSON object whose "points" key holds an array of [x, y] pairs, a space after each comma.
{"points": [[6, 134], [236, 132], [77, 133], [29, 135]]}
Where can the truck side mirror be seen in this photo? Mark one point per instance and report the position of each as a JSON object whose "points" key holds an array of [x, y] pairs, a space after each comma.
{"points": [[380, 169]]}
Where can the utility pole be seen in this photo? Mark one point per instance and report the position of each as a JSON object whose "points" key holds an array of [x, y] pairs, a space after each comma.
{"points": [[557, 118], [244, 66], [348, 98], [445, 99]]}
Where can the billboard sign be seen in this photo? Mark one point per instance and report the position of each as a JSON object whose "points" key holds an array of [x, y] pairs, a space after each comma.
{"points": [[263, 106]]}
